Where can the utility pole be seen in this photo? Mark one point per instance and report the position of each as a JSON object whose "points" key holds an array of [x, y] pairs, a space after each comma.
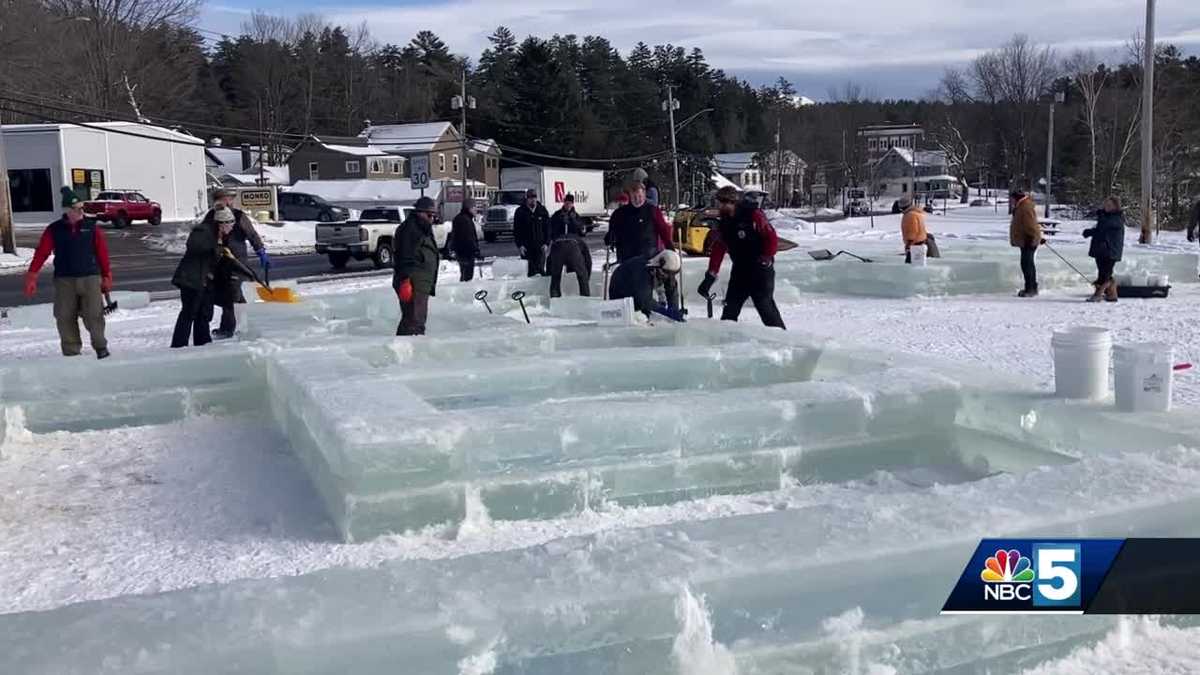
{"points": [[671, 105], [462, 102], [1148, 129], [8, 237], [779, 163]]}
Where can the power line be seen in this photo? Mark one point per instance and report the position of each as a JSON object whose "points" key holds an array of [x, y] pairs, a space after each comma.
{"points": [[587, 160]]}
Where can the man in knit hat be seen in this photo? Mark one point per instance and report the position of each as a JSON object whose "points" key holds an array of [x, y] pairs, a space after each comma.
{"points": [[81, 275]]}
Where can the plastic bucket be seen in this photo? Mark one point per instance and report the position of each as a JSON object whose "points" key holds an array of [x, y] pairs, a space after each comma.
{"points": [[1081, 359], [1142, 376], [918, 255]]}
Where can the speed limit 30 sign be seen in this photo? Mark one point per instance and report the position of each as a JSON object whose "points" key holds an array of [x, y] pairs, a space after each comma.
{"points": [[419, 172]]}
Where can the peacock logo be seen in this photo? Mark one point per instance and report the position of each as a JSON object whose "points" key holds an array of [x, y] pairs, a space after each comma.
{"points": [[1008, 567]]}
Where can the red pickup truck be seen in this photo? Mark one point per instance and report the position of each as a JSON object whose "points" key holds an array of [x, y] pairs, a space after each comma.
{"points": [[121, 207]]}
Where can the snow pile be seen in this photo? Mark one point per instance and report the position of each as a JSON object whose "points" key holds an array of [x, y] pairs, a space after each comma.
{"points": [[18, 263], [1137, 646], [283, 238]]}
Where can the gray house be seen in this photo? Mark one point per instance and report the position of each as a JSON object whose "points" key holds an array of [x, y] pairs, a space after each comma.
{"points": [[894, 174], [343, 159]]}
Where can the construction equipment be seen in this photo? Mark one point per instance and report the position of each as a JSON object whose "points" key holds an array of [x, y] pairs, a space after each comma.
{"points": [[265, 292], [826, 254], [695, 229], [110, 305]]}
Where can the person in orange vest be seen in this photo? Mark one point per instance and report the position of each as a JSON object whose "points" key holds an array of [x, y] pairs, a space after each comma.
{"points": [[82, 275], [912, 227], [1025, 233]]}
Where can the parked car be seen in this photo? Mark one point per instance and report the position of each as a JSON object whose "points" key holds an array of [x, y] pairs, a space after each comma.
{"points": [[302, 206], [122, 207], [370, 236], [856, 203]]}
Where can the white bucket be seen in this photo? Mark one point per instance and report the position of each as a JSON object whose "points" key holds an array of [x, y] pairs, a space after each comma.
{"points": [[1081, 359], [1142, 376], [918, 255]]}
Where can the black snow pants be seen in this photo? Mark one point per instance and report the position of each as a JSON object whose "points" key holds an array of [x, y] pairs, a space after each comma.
{"points": [[572, 254], [1029, 267], [754, 283], [194, 317]]}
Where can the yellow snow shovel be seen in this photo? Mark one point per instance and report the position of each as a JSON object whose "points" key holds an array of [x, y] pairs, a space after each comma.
{"points": [[265, 292]]}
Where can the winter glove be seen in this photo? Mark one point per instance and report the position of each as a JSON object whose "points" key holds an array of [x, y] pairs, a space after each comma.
{"points": [[522, 250], [405, 292], [1042, 242], [766, 262], [1088, 232], [105, 284], [30, 284], [264, 259], [707, 284]]}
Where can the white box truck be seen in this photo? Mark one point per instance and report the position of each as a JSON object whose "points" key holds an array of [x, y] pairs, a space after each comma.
{"points": [[552, 185]]}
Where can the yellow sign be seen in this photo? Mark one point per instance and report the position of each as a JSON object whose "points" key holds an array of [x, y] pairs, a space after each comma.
{"points": [[256, 198], [78, 176]]}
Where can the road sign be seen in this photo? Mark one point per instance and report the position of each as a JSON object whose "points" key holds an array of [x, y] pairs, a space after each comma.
{"points": [[419, 174]]}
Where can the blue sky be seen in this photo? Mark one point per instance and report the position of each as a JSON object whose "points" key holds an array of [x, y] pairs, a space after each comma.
{"points": [[892, 48]]}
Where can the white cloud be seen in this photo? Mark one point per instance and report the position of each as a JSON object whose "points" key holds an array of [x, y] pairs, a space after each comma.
{"points": [[764, 38]]}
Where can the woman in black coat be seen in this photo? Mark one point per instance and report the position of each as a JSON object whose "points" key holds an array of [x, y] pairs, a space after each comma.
{"points": [[1108, 242]]}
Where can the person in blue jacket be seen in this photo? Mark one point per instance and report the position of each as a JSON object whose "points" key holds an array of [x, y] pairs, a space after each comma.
{"points": [[1108, 242]]}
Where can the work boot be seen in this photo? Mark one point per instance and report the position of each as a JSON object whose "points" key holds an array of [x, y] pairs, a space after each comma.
{"points": [[102, 354], [1110, 290], [221, 334], [1028, 293], [1099, 294]]}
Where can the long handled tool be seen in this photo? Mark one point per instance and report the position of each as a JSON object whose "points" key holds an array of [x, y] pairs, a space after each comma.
{"points": [[481, 295], [519, 296], [607, 257], [1068, 262], [710, 298], [826, 254], [110, 305], [265, 292]]}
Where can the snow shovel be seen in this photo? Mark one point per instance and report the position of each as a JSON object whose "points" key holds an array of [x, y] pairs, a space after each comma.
{"points": [[265, 292], [481, 295], [826, 254], [519, 296], [110, 305]]}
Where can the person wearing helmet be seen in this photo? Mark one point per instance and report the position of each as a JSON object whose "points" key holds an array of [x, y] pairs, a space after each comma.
{"points": [[416, 266], [227, 283], [638, 231], [531, 232], [748, 237], [568, 249]]}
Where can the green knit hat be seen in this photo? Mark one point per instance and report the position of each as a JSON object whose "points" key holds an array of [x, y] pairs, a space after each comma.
{"points": [[69, 198]]}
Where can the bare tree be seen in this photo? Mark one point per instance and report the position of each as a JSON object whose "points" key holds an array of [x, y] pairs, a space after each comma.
{"points": [[950, 140], [106, 42], [1090, 78]]}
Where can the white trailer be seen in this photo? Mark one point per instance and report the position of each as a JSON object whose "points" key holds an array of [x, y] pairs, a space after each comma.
{"points": [[552, 185]]}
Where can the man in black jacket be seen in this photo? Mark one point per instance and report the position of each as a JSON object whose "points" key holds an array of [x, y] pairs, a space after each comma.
{"points": [[638, 231], [531, 231], [465, 241], [1193, 221], [416, 267], [568, 249]]}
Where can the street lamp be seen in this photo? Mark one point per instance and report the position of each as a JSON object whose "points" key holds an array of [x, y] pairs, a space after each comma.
{"points": [[1059, 97], [670, 106]]}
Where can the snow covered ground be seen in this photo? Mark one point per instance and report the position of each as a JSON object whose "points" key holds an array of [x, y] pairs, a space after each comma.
{"points": [[15, 264], [138, 510], [283, 238]]}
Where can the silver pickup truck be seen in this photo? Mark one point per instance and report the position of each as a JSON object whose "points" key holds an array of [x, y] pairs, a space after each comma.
{"points": [[371, 236]]}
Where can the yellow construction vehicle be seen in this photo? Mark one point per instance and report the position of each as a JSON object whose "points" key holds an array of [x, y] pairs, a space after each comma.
{"points": [[694, 228]]}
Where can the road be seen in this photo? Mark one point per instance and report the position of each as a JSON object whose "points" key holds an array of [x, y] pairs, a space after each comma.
{"points": [[139, 268]]}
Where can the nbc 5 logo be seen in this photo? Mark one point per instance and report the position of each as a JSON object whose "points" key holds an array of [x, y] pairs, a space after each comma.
{"points": [[1050, 578], [1058, 575]]}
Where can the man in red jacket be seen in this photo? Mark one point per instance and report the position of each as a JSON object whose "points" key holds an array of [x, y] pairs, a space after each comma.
{"points": [[81, 275], [745, 233]]}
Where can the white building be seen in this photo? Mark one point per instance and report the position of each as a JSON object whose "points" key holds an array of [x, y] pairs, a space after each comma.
{"points": [[166, 166]]}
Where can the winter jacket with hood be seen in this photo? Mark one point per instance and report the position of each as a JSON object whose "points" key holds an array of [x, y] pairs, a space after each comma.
{"points": [[200, 258], [1108, 236], [416, 256], [1025, 231]]}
